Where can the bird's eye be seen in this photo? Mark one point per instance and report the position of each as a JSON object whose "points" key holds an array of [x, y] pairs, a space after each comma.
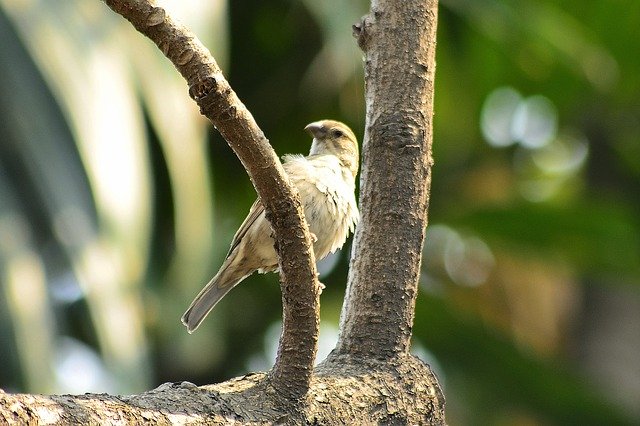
{"points": [[338, 133]]}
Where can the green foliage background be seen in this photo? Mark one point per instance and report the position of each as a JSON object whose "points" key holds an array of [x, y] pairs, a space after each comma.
{"points": [[118, 202]]}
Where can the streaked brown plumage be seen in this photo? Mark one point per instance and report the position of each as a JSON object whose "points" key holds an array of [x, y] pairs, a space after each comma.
{"points": [[326, 182]]}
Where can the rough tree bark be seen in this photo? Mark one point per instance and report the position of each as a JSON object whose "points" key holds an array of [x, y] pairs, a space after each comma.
{"points": [[370, 377], [399, 41]]}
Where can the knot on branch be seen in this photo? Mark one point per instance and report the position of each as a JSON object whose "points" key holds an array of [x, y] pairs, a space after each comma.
{"points": [[203, 88], [361, 30], [184, 57], [213, 97], [358, 32], [156, 17]]}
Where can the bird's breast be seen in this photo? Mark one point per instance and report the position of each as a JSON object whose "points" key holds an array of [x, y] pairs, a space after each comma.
{"points": [[328, 200]]}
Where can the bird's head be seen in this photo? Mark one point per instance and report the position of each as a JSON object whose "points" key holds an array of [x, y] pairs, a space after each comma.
{"points": [[334, 137]]}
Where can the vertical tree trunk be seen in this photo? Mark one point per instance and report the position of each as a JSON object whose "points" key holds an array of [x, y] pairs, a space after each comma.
{"points": [[398, 39]]}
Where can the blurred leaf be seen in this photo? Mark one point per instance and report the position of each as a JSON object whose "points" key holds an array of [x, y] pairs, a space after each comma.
{"points": [[89, 74], [543, 30], [87, 157], [599, 238], [508, 376], [334, 64], [41, 187], [24, 298]]}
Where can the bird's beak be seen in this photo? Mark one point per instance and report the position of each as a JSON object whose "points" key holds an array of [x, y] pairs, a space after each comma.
{"points": [[317, 130]]}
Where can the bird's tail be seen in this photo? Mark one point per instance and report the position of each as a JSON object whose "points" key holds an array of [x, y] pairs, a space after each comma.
{"points": [[226, 279]]}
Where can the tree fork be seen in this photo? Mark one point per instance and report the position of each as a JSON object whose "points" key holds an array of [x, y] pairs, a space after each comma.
{"points": [[362, 386]]}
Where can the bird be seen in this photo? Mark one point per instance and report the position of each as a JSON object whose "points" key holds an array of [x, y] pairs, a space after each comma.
{"points": [[325, 180]]}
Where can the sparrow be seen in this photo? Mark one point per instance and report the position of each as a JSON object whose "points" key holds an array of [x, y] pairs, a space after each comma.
{"points": [[325, 180]]}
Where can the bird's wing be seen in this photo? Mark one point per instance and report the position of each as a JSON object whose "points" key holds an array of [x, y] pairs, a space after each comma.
{"points": [[254, 213]]}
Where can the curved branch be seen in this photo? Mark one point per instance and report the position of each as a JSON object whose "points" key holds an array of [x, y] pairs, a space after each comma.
{"points": [[292, 371], [398, 39]]}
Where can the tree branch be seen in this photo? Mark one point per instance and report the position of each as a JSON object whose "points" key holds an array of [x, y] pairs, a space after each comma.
{"points": [[402, 393], [399, 40], [292, 371]]}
